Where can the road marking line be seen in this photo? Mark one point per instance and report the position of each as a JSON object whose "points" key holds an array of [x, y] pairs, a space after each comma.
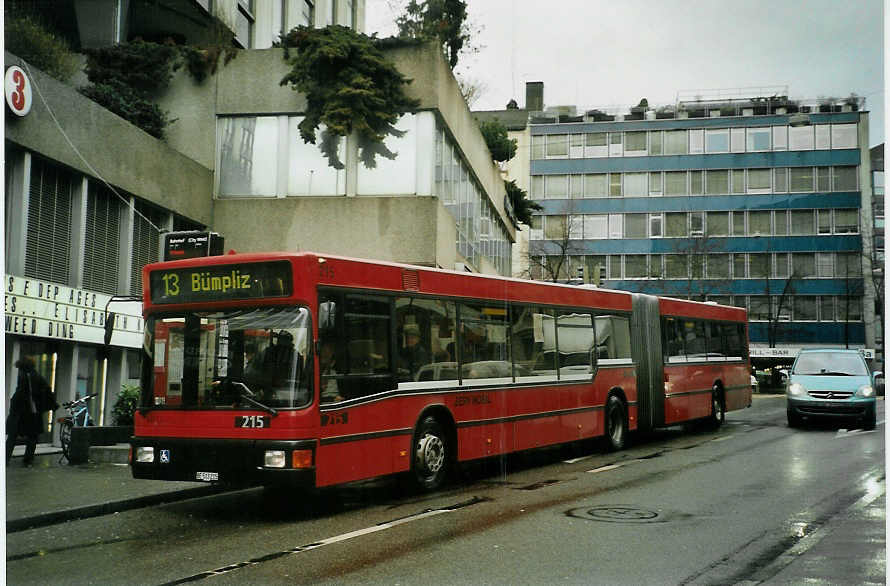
{"points": [[576, 460], [329, 541], [605, 468], [722, 439]]}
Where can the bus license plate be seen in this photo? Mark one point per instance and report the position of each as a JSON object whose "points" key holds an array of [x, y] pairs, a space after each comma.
{"points": [[253, 421], [207, 476]]}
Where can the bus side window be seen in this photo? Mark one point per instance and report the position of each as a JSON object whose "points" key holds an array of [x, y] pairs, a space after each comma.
{"points": [[674, 348], [716, 342]]}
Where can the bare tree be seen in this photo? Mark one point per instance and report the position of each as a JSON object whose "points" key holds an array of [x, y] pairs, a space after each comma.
{"points": [[551, 259]]}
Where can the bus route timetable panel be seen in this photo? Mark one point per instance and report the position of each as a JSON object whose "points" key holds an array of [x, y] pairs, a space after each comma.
{"points": [[221, 283]]}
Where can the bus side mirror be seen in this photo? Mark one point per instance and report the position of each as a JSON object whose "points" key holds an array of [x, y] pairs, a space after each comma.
{"points": [[109, 327]]}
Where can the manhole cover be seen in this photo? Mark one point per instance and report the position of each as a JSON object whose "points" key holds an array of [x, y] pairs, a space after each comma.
{"points": [[615, 514]]}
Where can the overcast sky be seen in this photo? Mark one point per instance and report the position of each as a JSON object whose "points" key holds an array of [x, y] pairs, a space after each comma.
{"points": [[601, 53]]}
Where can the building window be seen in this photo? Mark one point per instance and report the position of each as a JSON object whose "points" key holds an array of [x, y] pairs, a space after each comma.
{"points": [[717, 141], [656, 139], [555, 228], [781, 180], [759, 180], [805, 308], [675, 142], [738, 180], [823, 136], [48, 243], [823, 178], [596, 185], [849, 308], [717, 182], [801, 179], [802, 223], [675, 183], [146, 242], [803, 265], [655, 183], [718, 266], [780, 138], [849, 264], [826, 308], [823, 221], [103, 228], [739, 266], [844, 136], [846, 221], [801, 138], [556, 186], [759, 223], [616, 144], [737, 140], [596, 144], [676, 266], [758, 139], [538, 141], [780, 224], [845, 178], [635, 185], [635, 266], [738, 223], [656, 222], [616, 226], [596, 226], [824, 264], [675, 225], [759, 266], [717, 224], [615, 184], [781, 264], [635, 226], [696, 181], [696, 141], [635, 143], [759, 308], [244, 23], [557, 146], [307, 13]]}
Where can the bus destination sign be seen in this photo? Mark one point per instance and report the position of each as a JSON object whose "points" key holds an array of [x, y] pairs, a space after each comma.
{"points": [[209, 283]]}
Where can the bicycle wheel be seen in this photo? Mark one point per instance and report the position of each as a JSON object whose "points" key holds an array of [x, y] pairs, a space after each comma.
{"points": [[65, 436]]}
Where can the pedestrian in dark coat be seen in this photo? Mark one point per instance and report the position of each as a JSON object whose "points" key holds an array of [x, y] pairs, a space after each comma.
{"points": [[33, 397]]}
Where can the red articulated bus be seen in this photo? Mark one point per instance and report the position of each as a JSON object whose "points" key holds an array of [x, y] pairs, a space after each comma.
{"points": [[309, 369]]}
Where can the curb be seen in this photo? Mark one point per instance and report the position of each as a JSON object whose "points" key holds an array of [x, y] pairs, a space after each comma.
{"points": [[45, 519]]}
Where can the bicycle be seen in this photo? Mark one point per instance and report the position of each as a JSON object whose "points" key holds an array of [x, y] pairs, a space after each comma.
{"points": [[78, 415]]}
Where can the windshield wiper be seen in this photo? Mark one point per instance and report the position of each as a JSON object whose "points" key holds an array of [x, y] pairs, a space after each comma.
{"points": [[248, 395], [835, 373]]}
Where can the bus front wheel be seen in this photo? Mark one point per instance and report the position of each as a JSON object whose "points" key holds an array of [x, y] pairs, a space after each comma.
{"points": [[431, 454], [616, 424]]}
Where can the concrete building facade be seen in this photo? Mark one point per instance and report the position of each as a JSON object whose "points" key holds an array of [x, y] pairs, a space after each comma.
{"points": [[88, 195]]}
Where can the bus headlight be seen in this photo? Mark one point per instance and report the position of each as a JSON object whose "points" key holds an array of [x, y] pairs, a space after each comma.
{"points": [[145, 454], [274, 459], [865, 391], [796, 389]]}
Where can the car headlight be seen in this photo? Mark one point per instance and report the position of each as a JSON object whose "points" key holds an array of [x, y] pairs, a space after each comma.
{"points": [[865, 391], [796, 389]]}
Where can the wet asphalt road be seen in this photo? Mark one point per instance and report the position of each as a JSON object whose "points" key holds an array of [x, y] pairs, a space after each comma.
{"points": [[679, 507]]}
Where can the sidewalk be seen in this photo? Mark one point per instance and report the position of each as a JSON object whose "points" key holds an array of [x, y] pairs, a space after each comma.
{"points": [[51, 491]]}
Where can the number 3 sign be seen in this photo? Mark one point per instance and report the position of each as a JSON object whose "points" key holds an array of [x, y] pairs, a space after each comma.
{"points": [[18, 91]]}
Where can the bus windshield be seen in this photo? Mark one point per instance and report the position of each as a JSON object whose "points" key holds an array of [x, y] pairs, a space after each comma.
{"points": [[228, 359]]}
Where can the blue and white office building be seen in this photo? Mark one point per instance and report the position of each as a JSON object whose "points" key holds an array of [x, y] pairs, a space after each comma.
{"points": [[756, 201]]}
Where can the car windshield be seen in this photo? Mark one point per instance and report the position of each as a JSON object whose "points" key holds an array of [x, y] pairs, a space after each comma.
{"points": [[247, 357], [830, 364]]}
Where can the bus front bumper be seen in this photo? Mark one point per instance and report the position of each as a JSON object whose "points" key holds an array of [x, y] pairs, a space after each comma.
{"points": [[228, 461]]}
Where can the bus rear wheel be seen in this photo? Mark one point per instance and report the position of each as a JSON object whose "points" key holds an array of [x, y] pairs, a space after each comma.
{"points": [[616, 424], [718, 412], [431, 455]]}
